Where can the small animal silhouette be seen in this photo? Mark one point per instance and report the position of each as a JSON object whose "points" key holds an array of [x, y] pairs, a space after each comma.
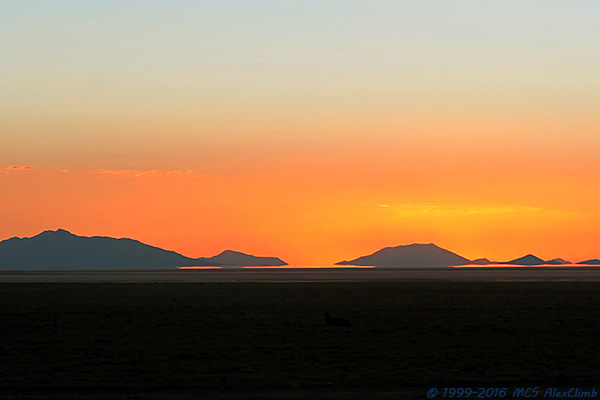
{"points": [[336, 321]]}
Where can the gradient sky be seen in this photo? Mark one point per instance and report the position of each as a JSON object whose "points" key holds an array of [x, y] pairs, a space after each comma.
{"points": [[315, 131]]}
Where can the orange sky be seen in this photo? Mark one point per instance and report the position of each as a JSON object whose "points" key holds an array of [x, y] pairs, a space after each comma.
{"points": [[314, 132], [331, 202]]}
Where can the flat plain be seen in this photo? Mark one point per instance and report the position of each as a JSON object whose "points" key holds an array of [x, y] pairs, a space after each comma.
{"points": [[270, 340]]}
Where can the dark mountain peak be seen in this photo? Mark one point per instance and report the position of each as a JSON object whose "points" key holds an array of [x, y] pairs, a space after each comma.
{"points": [[413, 246], [529, 259], [58, 232], [412, 255], [230, 253]]}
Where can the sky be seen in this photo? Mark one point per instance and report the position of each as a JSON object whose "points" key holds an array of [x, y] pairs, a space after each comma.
{"points": [[315, 131]]}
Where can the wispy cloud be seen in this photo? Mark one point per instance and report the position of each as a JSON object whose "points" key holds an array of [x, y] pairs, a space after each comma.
{"points": [[141, 173], [432, 210], [18, 168]]}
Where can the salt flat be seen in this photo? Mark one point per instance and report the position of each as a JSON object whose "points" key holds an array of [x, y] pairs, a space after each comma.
{"points": [[312, 274], [270, 340]]}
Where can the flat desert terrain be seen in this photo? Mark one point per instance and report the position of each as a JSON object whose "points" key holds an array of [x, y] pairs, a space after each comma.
{"points": [[270, 340]]}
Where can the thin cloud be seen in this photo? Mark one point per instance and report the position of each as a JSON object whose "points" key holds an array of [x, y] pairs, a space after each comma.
{"points": [[431, 210], [147, 173], [141, 173], [19, 168]]}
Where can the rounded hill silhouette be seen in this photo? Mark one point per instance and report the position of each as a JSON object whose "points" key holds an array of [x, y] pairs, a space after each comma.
{"points": [[413, 255], [230, 258]]}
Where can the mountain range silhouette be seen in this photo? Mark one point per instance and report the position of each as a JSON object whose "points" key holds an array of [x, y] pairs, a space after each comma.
{"points": [[431, 256], [62, 250]]}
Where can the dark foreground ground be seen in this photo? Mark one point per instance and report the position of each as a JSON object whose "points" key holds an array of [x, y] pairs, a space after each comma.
{"points": [[270, 340]]}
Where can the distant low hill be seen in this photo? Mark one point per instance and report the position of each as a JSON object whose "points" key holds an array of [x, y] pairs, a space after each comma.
{"points": [[62, 250], [529, 259], [413, 255], [230, 258], [557, 261], [532, 260], [590, 262]]}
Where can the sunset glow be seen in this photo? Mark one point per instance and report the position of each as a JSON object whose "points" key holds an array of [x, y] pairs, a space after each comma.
{"points": [[311, 131]]}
